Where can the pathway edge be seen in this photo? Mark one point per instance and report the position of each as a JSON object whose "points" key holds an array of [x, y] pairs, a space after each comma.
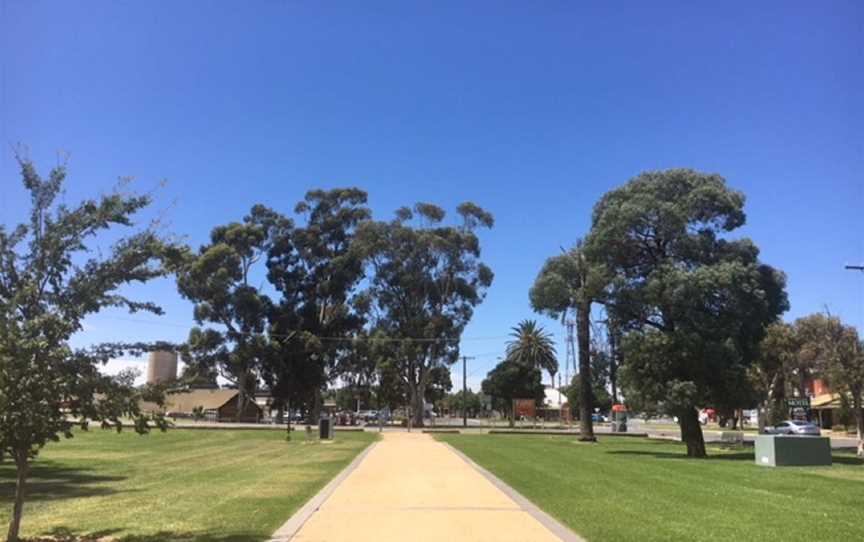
{"points": [[290, 528], [556, 527]]}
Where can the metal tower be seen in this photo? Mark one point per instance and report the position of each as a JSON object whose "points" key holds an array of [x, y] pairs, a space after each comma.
{"points": [[570, 362]]}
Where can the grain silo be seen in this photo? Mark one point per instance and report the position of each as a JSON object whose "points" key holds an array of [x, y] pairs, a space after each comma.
{"points": [[161, 367]]}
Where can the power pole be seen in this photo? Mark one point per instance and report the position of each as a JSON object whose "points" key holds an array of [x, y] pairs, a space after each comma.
{"points": [[465, 390]]}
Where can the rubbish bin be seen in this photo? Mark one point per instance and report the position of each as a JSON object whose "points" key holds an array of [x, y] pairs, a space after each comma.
{"points": [[325, 428]]}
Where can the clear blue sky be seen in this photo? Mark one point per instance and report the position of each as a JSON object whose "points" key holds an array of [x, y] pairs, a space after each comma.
{"points": [[532, 110]]}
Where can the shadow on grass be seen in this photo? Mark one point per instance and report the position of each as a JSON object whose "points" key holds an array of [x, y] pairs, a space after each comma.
{"points": [[62, 534], [736, 456], [49, 481], [729, 456]]}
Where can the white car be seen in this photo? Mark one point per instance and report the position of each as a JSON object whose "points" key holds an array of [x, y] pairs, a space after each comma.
{"points": [[793, 427]]}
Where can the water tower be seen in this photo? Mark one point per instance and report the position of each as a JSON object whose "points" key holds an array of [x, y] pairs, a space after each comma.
{"points": [[161, 367]]}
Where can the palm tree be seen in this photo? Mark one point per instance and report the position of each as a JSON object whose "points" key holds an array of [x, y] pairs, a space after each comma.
{"points": [[533, 347]]}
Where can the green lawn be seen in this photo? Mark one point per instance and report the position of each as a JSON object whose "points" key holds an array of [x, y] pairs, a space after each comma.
{"points": [[635, 489], [183, 485]]}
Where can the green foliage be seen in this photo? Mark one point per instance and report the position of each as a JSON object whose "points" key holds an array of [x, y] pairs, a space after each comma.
{"points": [[533, 347], [49, 283], [458, 401], [424, 282], [316, 268], [510, 380], [217, 278], [694, 303], [838, 355], [572, 282]]}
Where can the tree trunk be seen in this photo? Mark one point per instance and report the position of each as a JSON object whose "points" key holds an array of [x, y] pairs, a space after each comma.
{"points": [[241, 396], [418, 405], [691, 433], [512, 413], [859, 423], [22, 468], [288, 427], [315, 411], [613, 367], [583, 336], [761, 414]]}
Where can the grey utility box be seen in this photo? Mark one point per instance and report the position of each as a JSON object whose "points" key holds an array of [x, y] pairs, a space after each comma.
{"points": [[789, 450]]}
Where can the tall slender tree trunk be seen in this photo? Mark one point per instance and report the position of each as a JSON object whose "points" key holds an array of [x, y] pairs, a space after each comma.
{"points": [[691, 433], [22, 468], [859, 423], [583, 337], [315, 411], [613, 365], [418, 404]]}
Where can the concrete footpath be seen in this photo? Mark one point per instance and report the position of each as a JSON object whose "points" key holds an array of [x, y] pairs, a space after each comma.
{"points": [[410, 487]]}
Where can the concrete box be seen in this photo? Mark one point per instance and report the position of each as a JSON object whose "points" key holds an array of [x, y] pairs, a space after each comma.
{"points": [[789, 450]]}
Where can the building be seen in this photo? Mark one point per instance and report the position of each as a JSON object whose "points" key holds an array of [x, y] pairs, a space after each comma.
{"points": [[215, 405], [161, 367], [555, 406]]}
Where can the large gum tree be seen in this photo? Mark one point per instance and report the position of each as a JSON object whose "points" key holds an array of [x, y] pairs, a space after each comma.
{"points": [[424, 279], [693, 302]]}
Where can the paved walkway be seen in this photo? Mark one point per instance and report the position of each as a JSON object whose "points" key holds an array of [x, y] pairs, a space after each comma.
{"points": [[411, 488]]}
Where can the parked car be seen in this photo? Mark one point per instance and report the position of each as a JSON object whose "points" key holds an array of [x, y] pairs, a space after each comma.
{"points": [[794, 427], [599, 418]]}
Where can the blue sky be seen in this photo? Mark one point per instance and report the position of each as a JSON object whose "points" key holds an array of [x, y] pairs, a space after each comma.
{"points": [[532, 110]]}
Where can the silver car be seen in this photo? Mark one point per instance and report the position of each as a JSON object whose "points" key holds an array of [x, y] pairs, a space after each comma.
{"points": [[793, 427]]}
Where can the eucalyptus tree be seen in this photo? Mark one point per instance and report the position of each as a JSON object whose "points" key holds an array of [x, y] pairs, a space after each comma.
{"points": [[773, 371], [219, 279], [50, 281], [571, 282], [533, 346], [693, 302], [424, 281], [838, 356], [316, 268]]}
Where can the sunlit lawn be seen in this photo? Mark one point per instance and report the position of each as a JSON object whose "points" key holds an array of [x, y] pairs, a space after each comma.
{"points": [[635, 489], [205, 485]]}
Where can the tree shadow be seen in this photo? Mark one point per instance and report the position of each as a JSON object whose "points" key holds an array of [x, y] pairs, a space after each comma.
{"points": [[725, 456], [841, 459], [63, 534], [49, 481]]}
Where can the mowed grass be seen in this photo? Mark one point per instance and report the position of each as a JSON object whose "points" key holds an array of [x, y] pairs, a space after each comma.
{"points": [[635, 489], [203, 485]]}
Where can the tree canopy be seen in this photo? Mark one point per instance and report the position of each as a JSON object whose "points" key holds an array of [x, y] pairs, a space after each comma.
{"points": [[425, 278], [533, 346], [50, 280], [693, 302]]}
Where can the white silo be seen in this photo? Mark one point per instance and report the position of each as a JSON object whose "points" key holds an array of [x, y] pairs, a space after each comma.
{"points": [[161, 367]]}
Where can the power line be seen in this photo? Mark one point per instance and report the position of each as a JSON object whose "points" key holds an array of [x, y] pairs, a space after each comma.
{"points": [[291, 333]]}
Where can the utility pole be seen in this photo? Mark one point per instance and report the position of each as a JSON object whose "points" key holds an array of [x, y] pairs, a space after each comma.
{"points": [[465, 390]]}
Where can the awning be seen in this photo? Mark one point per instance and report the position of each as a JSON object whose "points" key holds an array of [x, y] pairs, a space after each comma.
{"points": [[825, 401]]}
